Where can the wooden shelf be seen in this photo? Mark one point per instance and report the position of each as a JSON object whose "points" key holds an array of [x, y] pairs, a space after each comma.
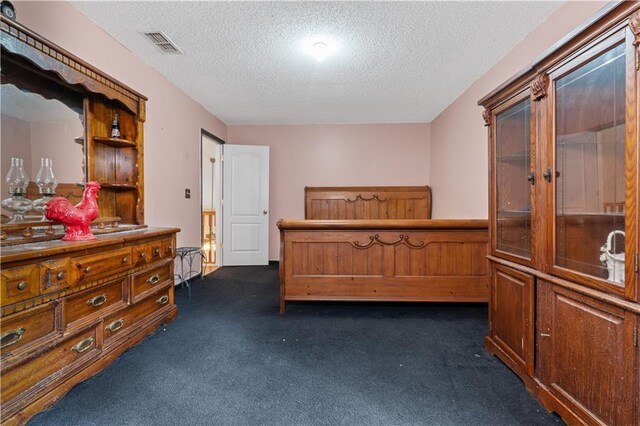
{"points": [[515, 213], [121, 143], [514, 158], [121, 186]]}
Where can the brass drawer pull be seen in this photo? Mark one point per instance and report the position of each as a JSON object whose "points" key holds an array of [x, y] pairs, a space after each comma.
{"points": [[163, 300], [83, 345], [154, 279], [87, 269], [115, 326], [143, 254], [22, 285], [157, 251], [125, 259], [61, 275], [98, 300], [11, 337]]}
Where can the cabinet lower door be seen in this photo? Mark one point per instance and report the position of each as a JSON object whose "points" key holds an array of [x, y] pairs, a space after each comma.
{"points": [[586, 354], [512, 321]]}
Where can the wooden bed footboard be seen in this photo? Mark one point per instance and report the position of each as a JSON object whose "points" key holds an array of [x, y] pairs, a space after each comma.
{"points": [[383, 260]]}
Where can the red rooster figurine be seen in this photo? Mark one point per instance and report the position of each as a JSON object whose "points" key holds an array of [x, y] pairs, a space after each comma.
{"points": [[77, 219]]}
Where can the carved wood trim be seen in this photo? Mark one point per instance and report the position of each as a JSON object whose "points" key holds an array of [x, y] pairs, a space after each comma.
{"points": [[46, 55], [142, 110], [375, 239], [539, 86], [486, 116], [634, 24], [360, 197]]}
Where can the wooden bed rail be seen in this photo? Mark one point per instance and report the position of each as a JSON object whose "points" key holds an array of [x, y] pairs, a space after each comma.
{"points": [[453, 224], [383, 260]]}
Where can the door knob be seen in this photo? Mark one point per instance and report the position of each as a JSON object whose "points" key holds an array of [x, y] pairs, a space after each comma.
{"points": [[264, 212], [531, 178]]}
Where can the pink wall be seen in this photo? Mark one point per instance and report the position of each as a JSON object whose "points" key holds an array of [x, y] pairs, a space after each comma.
{"points": [[56, 141], [32, 141], [14, 134], [174, 120], [459, 151], [326, 155]]}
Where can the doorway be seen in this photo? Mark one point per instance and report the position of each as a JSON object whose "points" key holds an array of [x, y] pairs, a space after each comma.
{"points": [[211, 201]]}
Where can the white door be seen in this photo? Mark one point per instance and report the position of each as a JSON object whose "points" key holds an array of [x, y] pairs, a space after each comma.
{"points": [[245, 208]]}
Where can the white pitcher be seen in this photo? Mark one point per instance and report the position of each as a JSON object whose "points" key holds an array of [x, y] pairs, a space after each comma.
{"points": [[613, 261]]}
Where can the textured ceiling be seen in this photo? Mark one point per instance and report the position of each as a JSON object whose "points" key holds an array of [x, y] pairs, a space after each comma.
{"points": [[394, 61], [33, 108]]}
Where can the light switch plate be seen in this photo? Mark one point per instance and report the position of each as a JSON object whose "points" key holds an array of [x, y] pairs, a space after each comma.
{"points": [[187, 193]]}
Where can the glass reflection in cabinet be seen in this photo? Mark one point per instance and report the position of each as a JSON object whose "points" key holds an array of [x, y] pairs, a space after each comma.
{"points": [[590, 165], [513, 164]]}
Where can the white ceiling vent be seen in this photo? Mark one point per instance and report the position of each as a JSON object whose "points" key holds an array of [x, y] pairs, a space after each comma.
{"points": [[162, 41]]}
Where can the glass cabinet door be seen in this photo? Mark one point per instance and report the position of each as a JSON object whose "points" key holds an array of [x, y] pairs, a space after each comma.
{"points": [[512, 190], [590, 150]]}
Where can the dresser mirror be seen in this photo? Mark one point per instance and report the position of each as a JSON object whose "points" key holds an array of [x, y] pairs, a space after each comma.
{"points": [[60, 111], [40, 119]]}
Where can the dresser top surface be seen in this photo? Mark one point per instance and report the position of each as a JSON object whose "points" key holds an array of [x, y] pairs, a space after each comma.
{"points": [[47, 248]]}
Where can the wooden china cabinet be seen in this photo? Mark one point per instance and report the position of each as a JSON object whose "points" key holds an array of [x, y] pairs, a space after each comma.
{"points": [[68, 309], [565, 300]]}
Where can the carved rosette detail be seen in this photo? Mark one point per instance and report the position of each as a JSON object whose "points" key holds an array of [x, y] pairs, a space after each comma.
{"points": [[634, 24], [539, 86], [486, 116]]}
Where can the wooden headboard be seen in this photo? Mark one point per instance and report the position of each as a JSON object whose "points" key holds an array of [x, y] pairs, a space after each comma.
{"points": [[367, 202]]}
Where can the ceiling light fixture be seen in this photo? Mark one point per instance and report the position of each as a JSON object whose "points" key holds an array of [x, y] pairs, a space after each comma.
{"points": [[319, 48]]}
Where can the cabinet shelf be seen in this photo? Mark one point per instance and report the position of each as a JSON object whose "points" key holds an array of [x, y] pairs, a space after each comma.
{"points": [[119, 186], [120, 143], [578, 142], [515, 213], [514, 158]]}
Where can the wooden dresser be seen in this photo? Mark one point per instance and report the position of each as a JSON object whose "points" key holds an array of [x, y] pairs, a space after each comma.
{"points": [[70, 309], [565, 300]]}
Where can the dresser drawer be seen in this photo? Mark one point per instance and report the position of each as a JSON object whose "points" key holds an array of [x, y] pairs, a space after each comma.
{"points": [[118, 323], [60, 359], [162, 249], [90, 304], [141, 254], [90, 267], [153, 251], [150, 280], [20, 329], [169, 247], [19, 284], [55, 275]]}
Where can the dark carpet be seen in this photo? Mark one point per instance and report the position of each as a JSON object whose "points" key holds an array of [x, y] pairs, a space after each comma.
{"points": [[230, 359]]}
